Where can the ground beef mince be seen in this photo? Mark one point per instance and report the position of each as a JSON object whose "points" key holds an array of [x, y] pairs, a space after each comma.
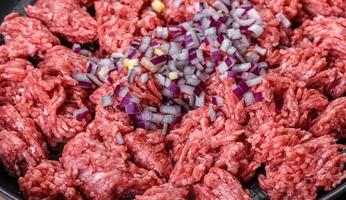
{"points": [[3, 54], [62, 60], [49, 180], [231, 107], [164, 192], [149, 21], [12, 74], [325, 7], [22, 146], [180, 11], [304, 169], [105, 171], [148, 150], [66, 19], [45, 100], [26, 37], [287, 102], [332, 120], [109, 123], [219, 184]]}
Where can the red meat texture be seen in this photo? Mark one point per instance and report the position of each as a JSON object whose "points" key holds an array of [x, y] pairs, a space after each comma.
{"points": [[287, 102], [65, 18], [26, 37], [148, 151], [164, 192], [12, 74], [219, 184], [105, 171], [304, 169], [21, 145], [45, 100], [61, 60], [49, 180]]}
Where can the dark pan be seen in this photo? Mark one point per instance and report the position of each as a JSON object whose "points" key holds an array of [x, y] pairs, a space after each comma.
{"points": [[9, 188]]}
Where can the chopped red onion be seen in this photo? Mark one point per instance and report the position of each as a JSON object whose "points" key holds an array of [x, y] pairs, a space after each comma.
{"points": [[238, 92], [256, 29], [187, 89], [80, 77], [132, 108], [161, 32], [168, 119], [260, 50], [241, 67], [107, 100], [165, 128], [169, 110], [121, 91], [212, 113], [76, 48], [221, 6], [146, 63], [156, 118], [120, 139], [283, 19], [81, 113], [133, 53], [161, 79], [167, 93], [262, 65], [94, 79], [198, 91], [254, 81], [144, 78], [249, 98], [146, 115], [174, 88], [200, 100], [216, 100], [146, 41], [159, 60]]}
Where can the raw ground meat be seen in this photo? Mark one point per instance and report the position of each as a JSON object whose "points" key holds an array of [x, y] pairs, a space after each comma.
{"points": [[65, 18], [287, 102], [62, 60], [26, 37], [3, 54], [327, 33], [108, 123], [148, 151], [332, 120], [181, 12], [45, 100], [219, 184], [21, 145], [12, 74], [49, 180], [304, 169], [164, 192], [325, 7], [105, 171]]}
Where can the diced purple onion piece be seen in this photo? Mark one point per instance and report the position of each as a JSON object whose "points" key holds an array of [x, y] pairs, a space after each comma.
{"points": [[132, 108], [238, 92], [258, 96], [107, 100], [81, 113], [198, 91]]}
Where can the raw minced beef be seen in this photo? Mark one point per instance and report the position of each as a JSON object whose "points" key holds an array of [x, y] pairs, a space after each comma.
{"points": [[66, 19], [105, 170], [64, 61], [164, 192], [22, 145], [49, 180], [304, 169], [26, 37], [12, 74], [148, 151], [51, 101], [219, 184]]}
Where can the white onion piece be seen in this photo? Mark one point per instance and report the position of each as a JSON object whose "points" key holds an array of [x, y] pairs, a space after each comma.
{"points": [[123, 92], [241, 67], [144, 78], [200, 100], [249, 98], [260, 50], [283, 19], [187, 89], [107, 100], [120, 139], [220, 6], [256, 29], [254, 81], [212, 113]]}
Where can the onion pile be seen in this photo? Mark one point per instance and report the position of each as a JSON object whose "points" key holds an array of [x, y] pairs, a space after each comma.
{"points": [[181, 58]]}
